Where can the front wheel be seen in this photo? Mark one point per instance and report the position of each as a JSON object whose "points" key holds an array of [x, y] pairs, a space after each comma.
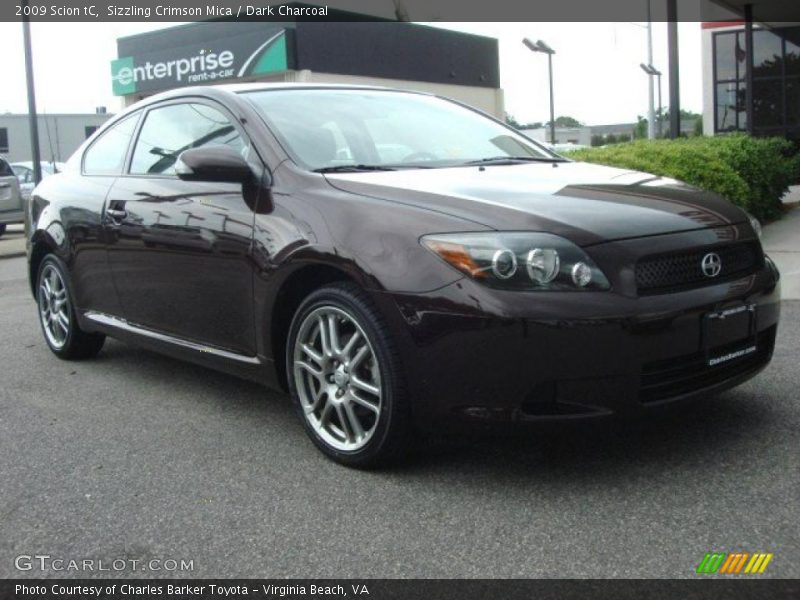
{"points": [[345, 377], [57, 314]]}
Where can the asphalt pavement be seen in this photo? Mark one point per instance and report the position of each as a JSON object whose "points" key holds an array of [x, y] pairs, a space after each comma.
{"points": [[781, 240], [137, 456], [12, 242]]}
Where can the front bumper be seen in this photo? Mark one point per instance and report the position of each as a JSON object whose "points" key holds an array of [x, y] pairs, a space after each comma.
{"points": [[477, 356]]}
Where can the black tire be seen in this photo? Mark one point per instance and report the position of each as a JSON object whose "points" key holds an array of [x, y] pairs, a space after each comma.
{"points": [[390, 436], [76, 343], [2, 229]]}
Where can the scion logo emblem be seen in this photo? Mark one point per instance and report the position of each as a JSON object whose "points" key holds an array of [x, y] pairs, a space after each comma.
{"points": [[711, 264]]}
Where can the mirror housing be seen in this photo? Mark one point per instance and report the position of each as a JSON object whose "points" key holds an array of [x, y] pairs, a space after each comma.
{"points": [[213, 163]]}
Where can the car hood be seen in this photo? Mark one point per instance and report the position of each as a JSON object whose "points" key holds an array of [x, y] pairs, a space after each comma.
{"points": [[586, 203]]}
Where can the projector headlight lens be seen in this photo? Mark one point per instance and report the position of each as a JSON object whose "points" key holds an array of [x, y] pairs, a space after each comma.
{"points": [[495, 260], [581, 274], [543, 265], [504, 264]]}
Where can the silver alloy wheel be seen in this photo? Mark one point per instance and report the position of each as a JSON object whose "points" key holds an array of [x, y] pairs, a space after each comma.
{"points": [[54, 309], [337, 377]]}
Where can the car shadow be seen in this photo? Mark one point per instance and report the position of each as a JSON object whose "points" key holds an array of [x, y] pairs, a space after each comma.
{"points": [[695, 435]]}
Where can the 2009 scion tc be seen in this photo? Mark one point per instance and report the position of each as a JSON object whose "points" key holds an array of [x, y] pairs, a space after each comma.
{"points": [[397, 261]]}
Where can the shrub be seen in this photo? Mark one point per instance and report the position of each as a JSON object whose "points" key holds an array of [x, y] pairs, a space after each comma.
{"points": [[753, 173]]}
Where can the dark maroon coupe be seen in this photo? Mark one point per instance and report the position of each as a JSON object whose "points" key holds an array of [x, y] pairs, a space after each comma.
{"points": [[397, 261]]}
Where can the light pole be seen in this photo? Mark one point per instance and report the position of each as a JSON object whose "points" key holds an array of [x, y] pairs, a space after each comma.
{"points": [[651, 70], [33, 119], [540, 46], [651, 130]]}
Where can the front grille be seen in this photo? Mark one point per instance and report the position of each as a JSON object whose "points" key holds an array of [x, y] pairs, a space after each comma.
{"points": [[684, 374], [680, 271]]}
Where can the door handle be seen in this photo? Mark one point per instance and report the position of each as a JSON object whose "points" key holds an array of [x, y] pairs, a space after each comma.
{"points": [[117, 214]]}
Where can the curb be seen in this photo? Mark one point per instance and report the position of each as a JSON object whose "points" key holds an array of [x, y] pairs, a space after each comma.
{"points": [[12, 255]]}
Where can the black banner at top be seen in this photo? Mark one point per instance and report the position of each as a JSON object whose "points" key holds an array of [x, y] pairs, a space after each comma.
{"points": [[767, 11]]}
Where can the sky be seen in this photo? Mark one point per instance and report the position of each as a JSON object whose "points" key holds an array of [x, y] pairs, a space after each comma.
{"points": [[597, 78]]}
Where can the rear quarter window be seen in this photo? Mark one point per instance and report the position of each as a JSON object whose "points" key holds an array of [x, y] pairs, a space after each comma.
{"points": [[106, 155], [5, 169]]}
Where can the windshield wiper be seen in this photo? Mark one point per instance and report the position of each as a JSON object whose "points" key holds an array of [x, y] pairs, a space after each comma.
{"points": [[352, 168], [512, 160]]}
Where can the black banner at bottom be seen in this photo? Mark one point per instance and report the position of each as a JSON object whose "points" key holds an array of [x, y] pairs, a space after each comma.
{"points": [[399, 589]]}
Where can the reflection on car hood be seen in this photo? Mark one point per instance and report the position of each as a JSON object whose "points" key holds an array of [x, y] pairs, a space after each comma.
{"points": [[584, 202]]}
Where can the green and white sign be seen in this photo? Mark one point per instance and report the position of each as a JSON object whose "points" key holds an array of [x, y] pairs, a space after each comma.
{"points": [[205, 62]]}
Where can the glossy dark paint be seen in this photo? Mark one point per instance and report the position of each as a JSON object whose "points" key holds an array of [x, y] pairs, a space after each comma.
{"points": [[210, 263]]}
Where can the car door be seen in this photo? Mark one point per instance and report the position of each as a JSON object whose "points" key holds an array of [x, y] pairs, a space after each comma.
{"points": [[179, 251], [25, 178], [10, 202]]}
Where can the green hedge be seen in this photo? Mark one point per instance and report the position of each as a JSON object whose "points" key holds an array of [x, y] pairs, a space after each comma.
{"points": [[753, 173]]}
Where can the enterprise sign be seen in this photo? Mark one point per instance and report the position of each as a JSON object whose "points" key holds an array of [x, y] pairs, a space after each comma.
{"points": [[207, 61]]}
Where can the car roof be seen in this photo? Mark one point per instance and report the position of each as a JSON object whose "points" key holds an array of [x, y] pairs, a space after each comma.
{"points": [[227, 89]]}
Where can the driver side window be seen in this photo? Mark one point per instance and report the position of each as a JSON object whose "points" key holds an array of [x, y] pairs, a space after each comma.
{"points": [[170, 130]]}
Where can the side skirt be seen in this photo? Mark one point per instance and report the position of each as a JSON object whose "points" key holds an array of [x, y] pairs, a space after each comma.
{"points": [[254, 368]]}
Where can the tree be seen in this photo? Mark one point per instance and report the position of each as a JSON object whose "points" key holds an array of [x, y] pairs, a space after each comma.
{"points": [[511, 121], [640, 130], [564, 121]]}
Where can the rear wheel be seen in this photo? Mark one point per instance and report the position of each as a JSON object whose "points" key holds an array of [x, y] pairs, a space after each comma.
{"points": [[57, 315], [2, 228], [345, 377]]}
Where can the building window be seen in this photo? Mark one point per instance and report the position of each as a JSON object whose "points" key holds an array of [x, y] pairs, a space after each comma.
{"points": [[3, 139], [776, 81], [89, 130], [729, 82]]}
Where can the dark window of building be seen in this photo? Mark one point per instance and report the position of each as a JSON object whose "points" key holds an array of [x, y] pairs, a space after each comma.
{"points": [[729, 82], [725, 51], [768, 102], [776, 81], [792, 52], [107, 154], [793, 102], [767, 54], [89, 130], [3, 139], [730, 111]]}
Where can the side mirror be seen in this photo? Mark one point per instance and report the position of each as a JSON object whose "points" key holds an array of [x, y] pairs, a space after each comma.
{"points": [[213, 163]]}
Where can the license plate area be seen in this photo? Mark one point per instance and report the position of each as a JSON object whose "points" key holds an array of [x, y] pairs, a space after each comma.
{"points": [[729, 334]]}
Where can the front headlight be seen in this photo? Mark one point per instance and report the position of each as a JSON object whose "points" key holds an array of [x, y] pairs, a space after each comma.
{"points": [[519, 261], [755, 225]]}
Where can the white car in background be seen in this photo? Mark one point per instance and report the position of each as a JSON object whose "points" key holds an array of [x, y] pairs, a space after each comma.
{"points": [[24, 173], [11, 204]]}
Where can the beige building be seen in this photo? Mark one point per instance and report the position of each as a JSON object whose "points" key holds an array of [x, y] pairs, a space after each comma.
{"points": [[59, 135]]}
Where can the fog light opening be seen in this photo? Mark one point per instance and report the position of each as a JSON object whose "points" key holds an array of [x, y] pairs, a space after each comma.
{"points": [[504, 264]]}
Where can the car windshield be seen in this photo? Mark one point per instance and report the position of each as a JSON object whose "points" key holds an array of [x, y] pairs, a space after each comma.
{"points": [[349, 130]]}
